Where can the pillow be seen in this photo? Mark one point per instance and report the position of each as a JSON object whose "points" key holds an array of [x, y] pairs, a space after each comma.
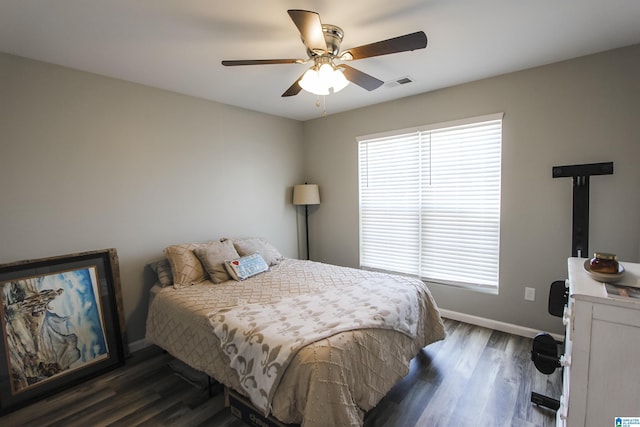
{"points": [[246, 266], [252, 245], [213, 255], [185, 265], [162, 269]]}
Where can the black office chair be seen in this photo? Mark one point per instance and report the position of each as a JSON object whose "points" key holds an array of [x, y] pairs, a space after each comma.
{"points": [[545, 348]]}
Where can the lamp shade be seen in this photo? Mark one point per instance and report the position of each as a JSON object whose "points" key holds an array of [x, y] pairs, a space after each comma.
{"points": [[306, 194]]}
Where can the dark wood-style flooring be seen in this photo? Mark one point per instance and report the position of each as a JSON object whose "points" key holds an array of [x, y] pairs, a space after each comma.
{"points": [[475, 377]]}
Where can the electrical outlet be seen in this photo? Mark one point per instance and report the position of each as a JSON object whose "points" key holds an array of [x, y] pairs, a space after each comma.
{"points": [[530, 294]]}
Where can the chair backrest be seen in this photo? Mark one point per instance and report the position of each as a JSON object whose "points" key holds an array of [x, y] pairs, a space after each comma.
{"points": [[558, 298]]}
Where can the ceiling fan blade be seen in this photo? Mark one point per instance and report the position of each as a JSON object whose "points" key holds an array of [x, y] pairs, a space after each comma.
{"points": [[363, 80], [294, 89], [231, 63], [310, 28], [404, 43]]}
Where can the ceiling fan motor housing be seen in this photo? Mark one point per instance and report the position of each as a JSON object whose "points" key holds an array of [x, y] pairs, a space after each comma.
{"points": [[333, 36]]}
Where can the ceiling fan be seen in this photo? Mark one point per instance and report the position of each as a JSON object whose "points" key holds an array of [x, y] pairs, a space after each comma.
{"points": [[323, 48]]}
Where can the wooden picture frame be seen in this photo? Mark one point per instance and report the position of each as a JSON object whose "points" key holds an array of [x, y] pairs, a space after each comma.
{"points": [[62, 323]]}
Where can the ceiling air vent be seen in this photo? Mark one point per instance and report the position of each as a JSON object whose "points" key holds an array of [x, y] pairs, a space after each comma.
{"points": [[399, 81]]}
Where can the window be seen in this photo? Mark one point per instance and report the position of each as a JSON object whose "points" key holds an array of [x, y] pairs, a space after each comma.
{"points": [[430, 201]]}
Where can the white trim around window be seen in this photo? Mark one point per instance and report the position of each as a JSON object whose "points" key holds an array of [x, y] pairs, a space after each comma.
{"points": [[429, 200]]}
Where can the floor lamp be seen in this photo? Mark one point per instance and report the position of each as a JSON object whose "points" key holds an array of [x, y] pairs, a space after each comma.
{"points": [[306, 194]]}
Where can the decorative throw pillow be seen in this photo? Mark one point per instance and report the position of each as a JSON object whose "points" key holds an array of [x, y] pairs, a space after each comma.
{"points": [[252, 245], [185, 265], [162, 269], [213, 255], [247, 266]]}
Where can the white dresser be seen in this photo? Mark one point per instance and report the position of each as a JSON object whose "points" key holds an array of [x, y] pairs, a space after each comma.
{"points": [[601, 378]]}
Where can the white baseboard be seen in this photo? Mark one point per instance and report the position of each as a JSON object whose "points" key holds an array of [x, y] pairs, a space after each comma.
{"points": [[138, 345], [510, 328]]}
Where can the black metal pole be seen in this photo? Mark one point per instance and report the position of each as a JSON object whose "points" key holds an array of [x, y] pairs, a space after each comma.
{"points": [[306, 222], [580, 216], [580, 234]]}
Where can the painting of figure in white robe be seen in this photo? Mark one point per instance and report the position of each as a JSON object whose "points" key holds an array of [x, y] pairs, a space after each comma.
{"points": [[53, 325]]}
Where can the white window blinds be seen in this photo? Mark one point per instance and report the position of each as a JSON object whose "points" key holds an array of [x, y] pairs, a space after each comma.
{"points": [[430, 202]]}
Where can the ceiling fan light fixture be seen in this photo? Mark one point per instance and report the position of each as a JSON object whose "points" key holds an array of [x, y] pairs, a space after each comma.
{"points": [[311, 82], [323, 79], [325, 73], [339, 80]]}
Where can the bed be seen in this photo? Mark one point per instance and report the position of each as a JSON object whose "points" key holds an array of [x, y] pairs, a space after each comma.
{"points": [[350, 348]]}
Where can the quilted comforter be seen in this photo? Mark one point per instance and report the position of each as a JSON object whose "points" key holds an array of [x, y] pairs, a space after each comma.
{"points": [[331, 381]]}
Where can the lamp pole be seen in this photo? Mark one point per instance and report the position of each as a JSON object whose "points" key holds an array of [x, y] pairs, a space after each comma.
{"points": [[306, 222]]}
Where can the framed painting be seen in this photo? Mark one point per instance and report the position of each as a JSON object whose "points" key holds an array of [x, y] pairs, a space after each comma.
{"points": [[62, 323]]}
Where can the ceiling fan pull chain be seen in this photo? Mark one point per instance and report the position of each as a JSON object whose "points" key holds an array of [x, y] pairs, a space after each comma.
{"points": [[323, 104]]}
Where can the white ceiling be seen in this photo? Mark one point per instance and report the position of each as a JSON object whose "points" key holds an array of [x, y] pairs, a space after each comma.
{"points": [[178, 44]]}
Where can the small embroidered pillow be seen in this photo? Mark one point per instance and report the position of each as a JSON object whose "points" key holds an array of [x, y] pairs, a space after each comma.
{"points": [[246, 266]]}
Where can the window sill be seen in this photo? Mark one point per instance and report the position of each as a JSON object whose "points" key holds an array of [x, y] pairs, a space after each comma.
{"points": [[491, 290]]}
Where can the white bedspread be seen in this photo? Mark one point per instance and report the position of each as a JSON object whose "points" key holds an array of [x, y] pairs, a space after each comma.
{"points": [[330, 382]]}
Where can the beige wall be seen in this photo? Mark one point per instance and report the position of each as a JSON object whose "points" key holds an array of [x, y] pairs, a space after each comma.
{"points": [[88, 162], [585, 110]]}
